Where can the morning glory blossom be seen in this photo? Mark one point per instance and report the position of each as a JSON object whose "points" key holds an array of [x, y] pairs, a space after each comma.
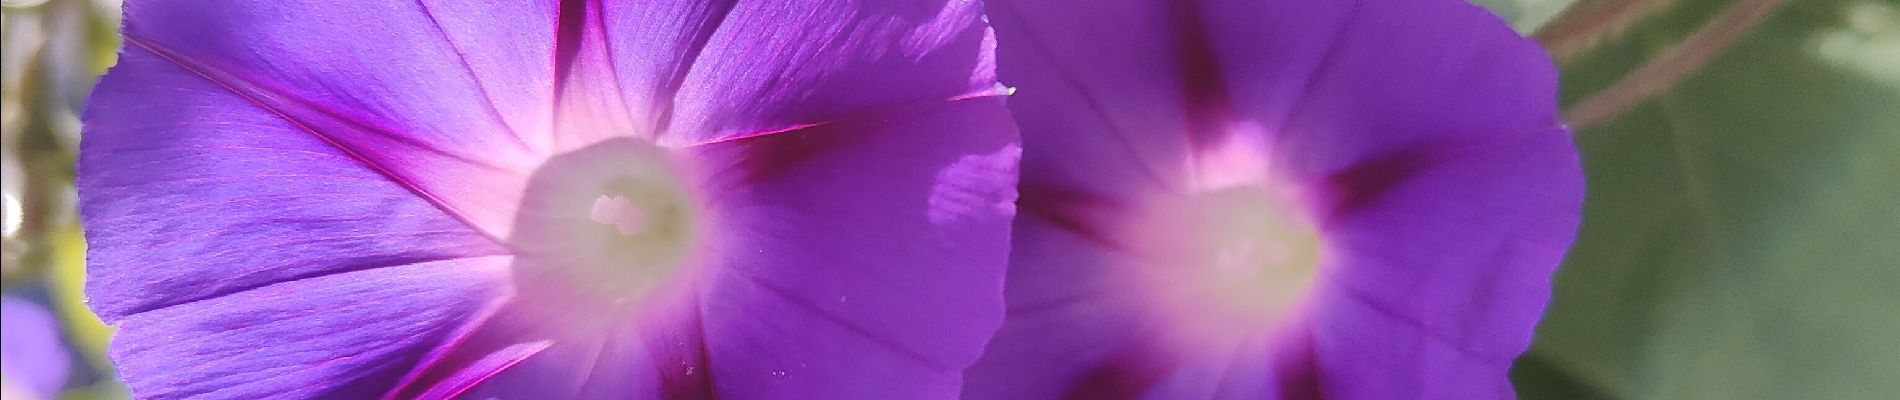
{"points": [[34, 363], [548, 199], [1258, 199]]}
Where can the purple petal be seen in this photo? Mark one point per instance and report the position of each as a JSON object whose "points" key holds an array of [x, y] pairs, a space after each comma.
{"points": [[1452, 199], [581, 350], [1071, 335], [238, 222], [860, 259], [592, 104], [301, 162], [206, 194], [33, 357], [481, 370], [348, 335], [1100, 67], [1401, 76], [648, 46], [610, 363], [1445, 272], [457, 68], [766, 66], [1066, 319], [465, 90], [1424, 133]]}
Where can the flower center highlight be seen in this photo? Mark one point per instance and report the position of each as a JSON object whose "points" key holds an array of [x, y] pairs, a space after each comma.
{"points": [[614, 221], [1260, 252], [1229, 263]]}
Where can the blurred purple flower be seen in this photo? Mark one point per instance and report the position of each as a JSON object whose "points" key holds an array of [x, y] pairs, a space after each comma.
{"points": [[1276, 199], [33, 361], [589, 199]]}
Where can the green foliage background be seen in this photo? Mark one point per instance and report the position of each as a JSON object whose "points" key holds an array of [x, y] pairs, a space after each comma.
{"points": [[1741, 237]]}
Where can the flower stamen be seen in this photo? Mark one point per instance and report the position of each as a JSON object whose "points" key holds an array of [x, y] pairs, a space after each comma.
{"points": [[622, 214]]}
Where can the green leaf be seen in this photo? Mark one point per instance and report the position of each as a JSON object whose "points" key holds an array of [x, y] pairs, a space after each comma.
{"points": [[1741, 237]]}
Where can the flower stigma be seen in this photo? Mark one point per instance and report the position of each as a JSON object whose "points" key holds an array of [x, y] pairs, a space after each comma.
{"points": [[622, 214]]}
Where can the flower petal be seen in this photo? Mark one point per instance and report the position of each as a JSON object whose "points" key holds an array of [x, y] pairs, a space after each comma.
{"points": [[768, 66], [1097, 80], [860, 259], [1112, 76], [648, 46], [592, 101], [205, 194], [466, 90], [1066, 321], [1445, 272], [33, 355], [1400, 76], [546, 345], [347, 335], [458, 68], [1426, 131], [1450, 194], [1071, 334]]}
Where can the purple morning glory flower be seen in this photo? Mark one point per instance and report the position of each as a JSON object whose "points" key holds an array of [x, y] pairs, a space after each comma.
{"points": [[548, 200], [33, 361], [1276, 199]]}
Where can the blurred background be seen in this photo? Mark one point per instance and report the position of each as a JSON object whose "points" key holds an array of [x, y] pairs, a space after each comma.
{"points": [[1741, 239]]}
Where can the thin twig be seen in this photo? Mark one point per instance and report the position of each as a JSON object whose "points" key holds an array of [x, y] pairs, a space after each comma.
{"points": [[1674, 63], [1588, 23]]}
